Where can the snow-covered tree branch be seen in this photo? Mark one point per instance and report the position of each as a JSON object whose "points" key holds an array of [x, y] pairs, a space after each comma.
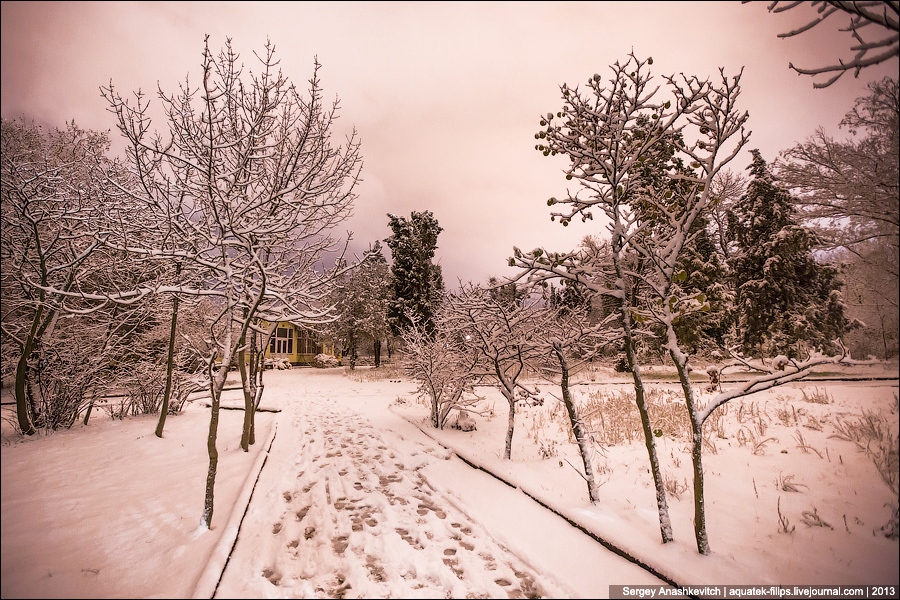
{"points": [[53, 193], [244, 191], [874, 26]]}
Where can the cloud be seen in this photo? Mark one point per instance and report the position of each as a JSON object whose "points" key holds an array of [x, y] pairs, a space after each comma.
{"points": [[445, 96]]}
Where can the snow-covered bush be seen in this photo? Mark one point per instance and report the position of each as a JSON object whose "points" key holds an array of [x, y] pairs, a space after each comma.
{"points": [[143, 386], [59, 390], [325, 361], [442, 363], [464, 422]]}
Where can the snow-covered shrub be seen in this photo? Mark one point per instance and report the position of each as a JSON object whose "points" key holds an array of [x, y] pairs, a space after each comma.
{"points": [[65, 377], [442, 364], [143, 385], [59, 390], [382, 373], [464, 422], [325, 361], [780, 362]]}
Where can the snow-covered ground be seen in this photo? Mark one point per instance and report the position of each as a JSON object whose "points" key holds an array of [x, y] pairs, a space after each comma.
{"points": [[354, 496]]}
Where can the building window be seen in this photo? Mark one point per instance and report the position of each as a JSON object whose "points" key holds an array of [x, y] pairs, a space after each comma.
{"points": [[283, 342], [307, 343]]}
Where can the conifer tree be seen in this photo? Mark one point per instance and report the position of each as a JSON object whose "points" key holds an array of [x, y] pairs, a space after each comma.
{"points": [[707, 277], [418, 283], [785, 299]]}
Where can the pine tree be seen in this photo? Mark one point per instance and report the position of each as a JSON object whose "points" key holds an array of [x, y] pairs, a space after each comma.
{"points": [[418, 283], [508, 294], [785, 299]]}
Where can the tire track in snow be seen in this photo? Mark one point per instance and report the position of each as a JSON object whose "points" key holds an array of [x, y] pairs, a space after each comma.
{"points": [[350, 516]]}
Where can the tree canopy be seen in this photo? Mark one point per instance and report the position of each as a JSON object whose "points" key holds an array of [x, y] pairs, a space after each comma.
{"points": [[418, 282]]}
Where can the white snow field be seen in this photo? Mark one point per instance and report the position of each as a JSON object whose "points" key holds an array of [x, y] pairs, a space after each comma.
{"points": [[348, 493]]}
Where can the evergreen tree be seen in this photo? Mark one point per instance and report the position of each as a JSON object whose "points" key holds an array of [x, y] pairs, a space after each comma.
{"points": [[706, 277], [375, 291], [418, 283], [569, 298], [508, 294], [785, 299]]}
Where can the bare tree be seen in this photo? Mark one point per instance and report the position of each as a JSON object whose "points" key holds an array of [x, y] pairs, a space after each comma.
{"points": [[245, 189], [439, 357], [879, 21], [52, 193], [572, 335], [507, 338], [848, 189], [362, 298], [727, 189]]}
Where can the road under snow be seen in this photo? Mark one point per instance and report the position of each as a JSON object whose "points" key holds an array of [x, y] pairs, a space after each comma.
{"points": [[356, 502]]}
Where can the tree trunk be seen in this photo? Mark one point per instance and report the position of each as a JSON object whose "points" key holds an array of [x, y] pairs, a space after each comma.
{"points": [[351, 350], [435, 403], [170, 363], [40, 330], [696, 454], [665, 522], [377, 352], [23, 414], [87, 413], [577, 428], [248, 397], [216, 383], [511, 425], [699, 499], [253, 367], [507, 453]]}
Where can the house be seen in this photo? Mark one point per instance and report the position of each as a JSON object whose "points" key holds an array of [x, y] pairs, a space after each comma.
{"points": [[296, 344]]}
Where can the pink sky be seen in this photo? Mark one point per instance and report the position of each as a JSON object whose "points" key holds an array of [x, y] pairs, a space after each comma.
{"points": [[445, 96]]}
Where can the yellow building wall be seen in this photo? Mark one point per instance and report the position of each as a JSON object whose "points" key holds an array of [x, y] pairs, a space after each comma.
{"points": [[296, 345]]}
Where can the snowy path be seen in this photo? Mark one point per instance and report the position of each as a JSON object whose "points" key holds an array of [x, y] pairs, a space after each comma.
{"points": [[341, 510]]}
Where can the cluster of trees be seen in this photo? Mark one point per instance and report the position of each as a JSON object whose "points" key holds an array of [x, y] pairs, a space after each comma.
{"points": [[376, 302], [847, 192], [229, 212], [694, 260], [362, 298], [653, 167]]}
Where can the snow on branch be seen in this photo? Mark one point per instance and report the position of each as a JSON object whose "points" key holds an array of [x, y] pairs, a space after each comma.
{"points": [[873, 17], [783, 370]]}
